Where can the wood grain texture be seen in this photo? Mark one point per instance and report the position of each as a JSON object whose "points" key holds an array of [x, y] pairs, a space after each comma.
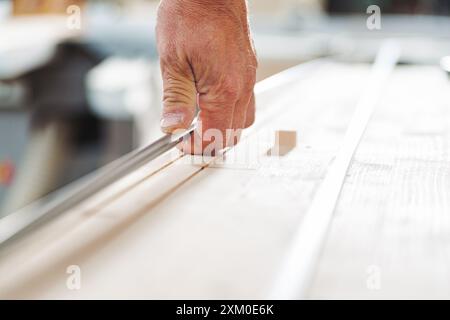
{"points": [[393, 218], [219, 229]]}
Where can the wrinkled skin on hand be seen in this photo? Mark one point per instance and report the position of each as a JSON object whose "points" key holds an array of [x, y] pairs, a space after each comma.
{"points": [[207, 57]]}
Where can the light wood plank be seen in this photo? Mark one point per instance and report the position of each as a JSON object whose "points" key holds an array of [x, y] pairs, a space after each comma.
{"points": [[393, 219], [190, 231]]}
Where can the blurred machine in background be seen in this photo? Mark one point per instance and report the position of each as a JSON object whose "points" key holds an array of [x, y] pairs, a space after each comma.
{"points": [[54, 125], [73, 100], [47, 127]]}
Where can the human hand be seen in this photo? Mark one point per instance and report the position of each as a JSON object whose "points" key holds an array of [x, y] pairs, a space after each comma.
{"points": [[207, 58]]}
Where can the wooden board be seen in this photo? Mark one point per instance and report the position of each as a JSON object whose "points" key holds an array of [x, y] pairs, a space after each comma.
{"points": [[389, 238], [181, 229]]}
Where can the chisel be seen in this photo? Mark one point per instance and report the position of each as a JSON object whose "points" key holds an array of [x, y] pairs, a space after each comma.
{"points": [[90, 185]]}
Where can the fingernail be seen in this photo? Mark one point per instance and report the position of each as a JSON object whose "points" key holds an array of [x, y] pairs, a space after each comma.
{"points": [[171, 120]]}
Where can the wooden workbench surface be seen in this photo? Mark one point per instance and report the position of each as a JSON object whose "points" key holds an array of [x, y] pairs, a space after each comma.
{"points": [[220, 228]]}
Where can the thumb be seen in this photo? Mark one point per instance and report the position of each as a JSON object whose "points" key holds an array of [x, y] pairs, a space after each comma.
{"points": [[179, 98]]}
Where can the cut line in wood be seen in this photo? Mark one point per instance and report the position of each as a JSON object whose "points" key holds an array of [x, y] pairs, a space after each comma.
{"points": [[298, 268]]}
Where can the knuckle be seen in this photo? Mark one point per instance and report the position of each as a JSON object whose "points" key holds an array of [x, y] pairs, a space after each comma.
{"points": [[167, 53], [229, 87], [250, 80], [254, 61]]}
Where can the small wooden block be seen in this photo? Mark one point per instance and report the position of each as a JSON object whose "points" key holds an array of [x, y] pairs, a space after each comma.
{"points": [[285, 141]]}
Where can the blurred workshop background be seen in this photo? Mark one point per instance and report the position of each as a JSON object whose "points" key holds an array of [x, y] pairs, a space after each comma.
{"points": [[80, 83]]}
